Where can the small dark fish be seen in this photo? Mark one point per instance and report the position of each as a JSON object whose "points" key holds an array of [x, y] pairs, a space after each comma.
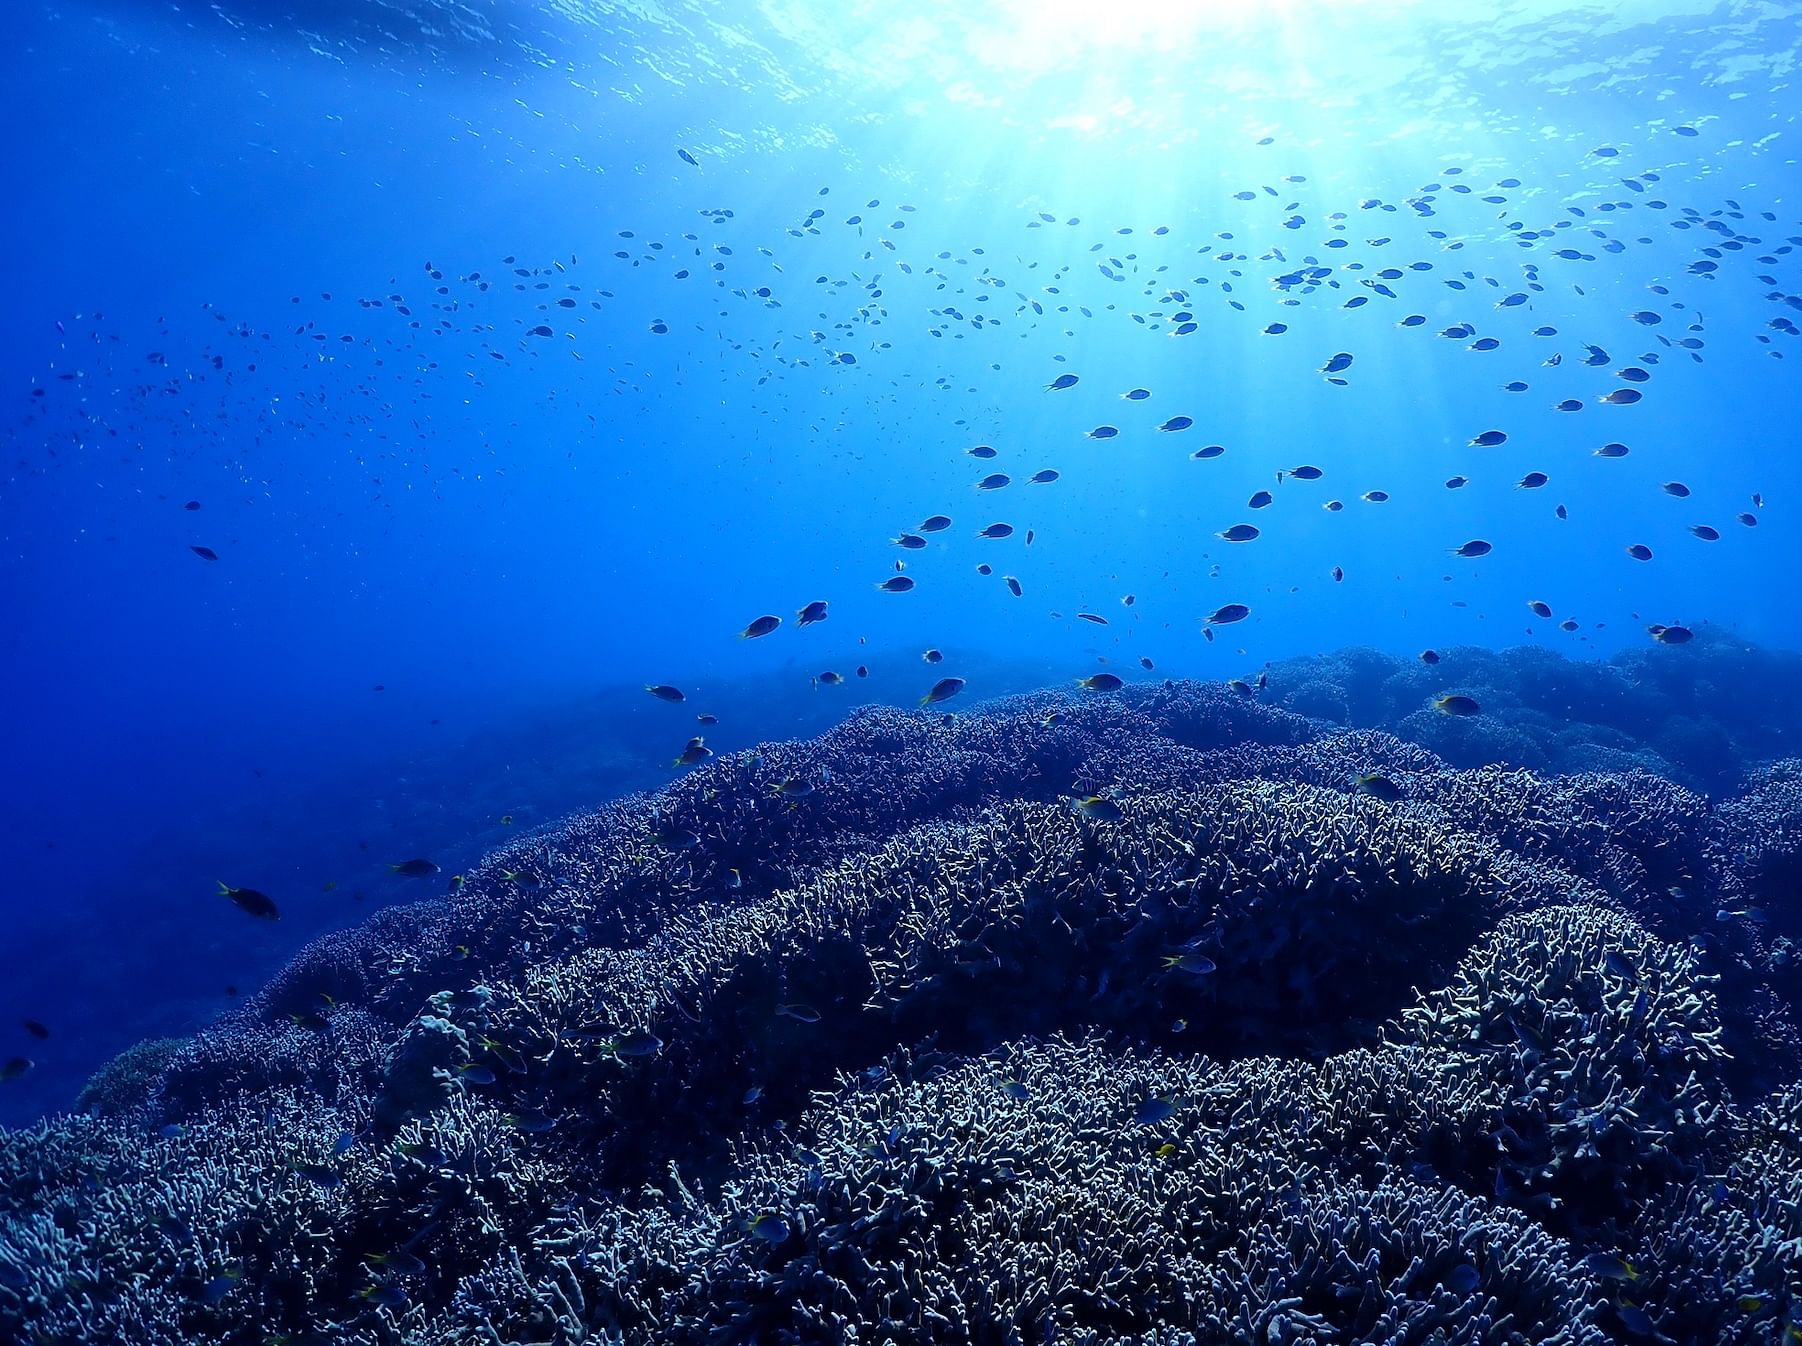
{"points": [[1456, 483], [1101, 432], [665, 693], [1671, 635], [806, 1014], [1095, 617], [1675, 488], [1042, 477], [769, 1227], [1207, 451], [1136, 395], [896, 584], [982, 451], [1706, 533], [400, 1262], [250, 900], [531, 1121], [1610, 1267], [910, 541], [995, 531], [1339, 362], [1099, 808], [1489, 439], [1191, 961], [693, 755], [1637, 1321], [1374, 497], [1306, 472], [638, 1043], [36, 1029], [933, 656], [1539, 609], [942, 690], [1377, 786], [1429, 656], [761, 627], [994, 481], [1015, 1090], [1621, 397], [1474, 548], [1239, 532], [688, 158], [1013, 585], [1612, 451], [1154, 1110], [1640, 552], [1176, 423], [1101, 682], [204, 553], [1455, 704], [1569, 404], [1061, 382], [1260, 500], [825, 679], [1226, 615], [807, 616], [16, 1066], [414, 869], [476, 1074], [1463, 1279], [1532, 481]]}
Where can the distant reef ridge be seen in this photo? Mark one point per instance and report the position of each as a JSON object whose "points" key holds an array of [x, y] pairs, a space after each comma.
{"points": [[1180, 1013]]}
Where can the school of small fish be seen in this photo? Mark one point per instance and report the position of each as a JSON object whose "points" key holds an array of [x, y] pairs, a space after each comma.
{"points": [[1387, 262]]}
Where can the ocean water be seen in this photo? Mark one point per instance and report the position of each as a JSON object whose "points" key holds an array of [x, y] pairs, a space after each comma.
{"points": [[1392, 401]]}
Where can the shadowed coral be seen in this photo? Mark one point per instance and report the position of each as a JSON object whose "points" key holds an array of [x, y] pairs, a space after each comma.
{"points": [[130, 1079], [878, 1032]]}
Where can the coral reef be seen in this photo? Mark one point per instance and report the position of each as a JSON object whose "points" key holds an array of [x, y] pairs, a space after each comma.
{"points": [[1165, 1016]]}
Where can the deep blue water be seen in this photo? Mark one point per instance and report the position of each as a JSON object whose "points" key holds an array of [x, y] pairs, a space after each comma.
{"points": [[451, 552]]}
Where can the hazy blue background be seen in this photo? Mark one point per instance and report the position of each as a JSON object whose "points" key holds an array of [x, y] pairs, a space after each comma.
{"points": [[509, 548]]}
